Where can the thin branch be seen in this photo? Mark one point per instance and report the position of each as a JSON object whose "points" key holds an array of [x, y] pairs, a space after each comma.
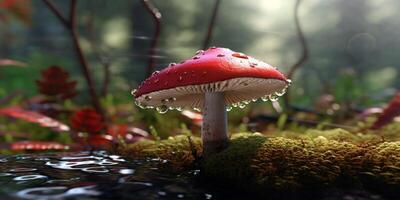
{"points": [[303, 42], [304, 50], [72, 14], [57, 13], [157, 20], [210, 29], [71, 26]]}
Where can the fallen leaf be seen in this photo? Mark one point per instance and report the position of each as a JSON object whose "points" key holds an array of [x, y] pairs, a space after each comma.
{"points": [[37, 145], [34, 117]]}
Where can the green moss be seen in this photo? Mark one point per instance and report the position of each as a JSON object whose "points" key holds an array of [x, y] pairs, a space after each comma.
{"points": [[177, 150], [314, 159]]}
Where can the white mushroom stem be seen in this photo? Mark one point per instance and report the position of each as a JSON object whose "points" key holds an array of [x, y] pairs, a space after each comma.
{"points": [[213, 130]]}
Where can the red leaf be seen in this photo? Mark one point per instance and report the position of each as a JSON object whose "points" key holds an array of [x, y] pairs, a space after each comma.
{"points": [[55, 82], [391, 111], [8, 62], [99, 140], [34, 117], [129, 134], [37, 145], [87, 120]]}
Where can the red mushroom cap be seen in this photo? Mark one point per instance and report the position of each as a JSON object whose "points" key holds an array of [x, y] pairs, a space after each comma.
{"points": [[239, 76]]}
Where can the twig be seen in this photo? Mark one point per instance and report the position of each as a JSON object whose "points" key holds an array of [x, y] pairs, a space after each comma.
{"points": [[157, 20], [70, 25], [304, 55], [210, 29]]}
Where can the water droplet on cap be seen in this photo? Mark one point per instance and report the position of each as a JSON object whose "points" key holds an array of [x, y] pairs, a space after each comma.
{"points": [[240, 55], [197, 109], [164, 101], [264, 98], [228, 108], [180, 78], [199, 52], [172, 99], [281, 93], [133, 92], [155, 73], [171, 64], [162, 109], [196, 57], [273, 97], [253, 64], [147, 98]]}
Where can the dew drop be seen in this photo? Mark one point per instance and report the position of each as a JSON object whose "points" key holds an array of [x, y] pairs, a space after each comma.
{"points": [[137, 103], [142, 106], [289, 82], [171, 64], [264, 98], [281, 93], [148, 98], [199, 52], [162, 109], [178, 108], [172, 99], [228, 108], [254, 100], [253, 64], [133, 92], [197, 109], [241, 105], [240, 55], [273, 97], [155, 73], [196, 57], [180, 78], [235, 105], [213, 47], [164, 101], [220, 55]]}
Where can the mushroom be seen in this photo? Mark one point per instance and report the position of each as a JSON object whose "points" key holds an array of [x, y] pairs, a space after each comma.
{"points": [[214, 81]]}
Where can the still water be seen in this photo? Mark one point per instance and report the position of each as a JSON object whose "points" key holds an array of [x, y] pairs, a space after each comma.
{"points": [[92, 175], [99, 175]]}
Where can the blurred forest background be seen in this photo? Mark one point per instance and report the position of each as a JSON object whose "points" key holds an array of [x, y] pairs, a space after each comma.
{"points": [[353, 45]]}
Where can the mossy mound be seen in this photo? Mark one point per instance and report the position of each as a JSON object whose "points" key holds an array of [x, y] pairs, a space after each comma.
{"points": [[318, 159], [181, 151]]}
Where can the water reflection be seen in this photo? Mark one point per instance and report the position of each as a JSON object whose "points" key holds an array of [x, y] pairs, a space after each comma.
{"points": [[92, 175], [58, 192]]}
